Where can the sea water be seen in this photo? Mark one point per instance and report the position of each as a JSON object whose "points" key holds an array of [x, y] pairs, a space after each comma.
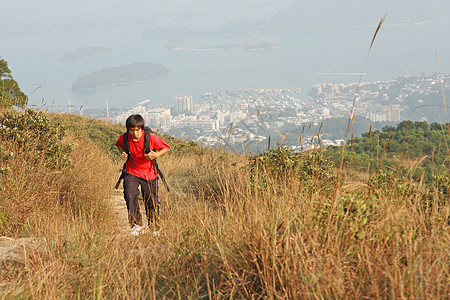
{"points": [[303, 58]]}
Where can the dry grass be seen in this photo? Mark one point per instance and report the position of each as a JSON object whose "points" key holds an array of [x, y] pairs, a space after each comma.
{"points": [[221, 240], [37, 198], [225, 234]]}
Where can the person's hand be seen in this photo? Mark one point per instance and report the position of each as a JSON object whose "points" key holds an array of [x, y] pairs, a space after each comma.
{"points": [[124, 155], [151, 155]]}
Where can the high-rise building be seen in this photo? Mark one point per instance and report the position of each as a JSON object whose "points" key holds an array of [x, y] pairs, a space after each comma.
{"points": [[158, 117], [394, 114], [388, 113], [183, 104]]}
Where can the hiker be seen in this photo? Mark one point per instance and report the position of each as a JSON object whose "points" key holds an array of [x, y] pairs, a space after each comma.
{"points": [[139, 170]]}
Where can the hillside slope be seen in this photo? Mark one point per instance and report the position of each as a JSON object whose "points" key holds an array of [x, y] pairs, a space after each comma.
{"points": [[274, 225]]}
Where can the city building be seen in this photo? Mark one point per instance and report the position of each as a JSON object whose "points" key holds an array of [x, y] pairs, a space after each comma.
{"points": [[158, 117], [394, 114], [183, 104]]}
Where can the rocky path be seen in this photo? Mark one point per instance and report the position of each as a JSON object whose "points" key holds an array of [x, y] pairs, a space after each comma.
{"points": [[14, 251], [120, 212]]}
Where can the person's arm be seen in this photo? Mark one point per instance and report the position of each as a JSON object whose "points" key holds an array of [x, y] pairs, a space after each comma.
{"points": [[155, 154], [123, 154], [119, 144]]}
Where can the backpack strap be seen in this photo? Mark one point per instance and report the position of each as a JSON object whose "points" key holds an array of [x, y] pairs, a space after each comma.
{"points": [[147, 137], [147, 142], [126, 147], [126, 143]]}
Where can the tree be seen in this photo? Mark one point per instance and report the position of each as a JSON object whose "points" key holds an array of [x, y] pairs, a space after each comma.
{"points": [[10, 93]]}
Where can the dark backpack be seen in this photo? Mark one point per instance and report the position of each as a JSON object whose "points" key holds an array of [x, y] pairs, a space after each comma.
{"points": [[147, 136]]}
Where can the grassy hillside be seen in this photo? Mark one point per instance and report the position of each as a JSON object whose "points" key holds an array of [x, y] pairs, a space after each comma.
{"points": [[276, 225]]}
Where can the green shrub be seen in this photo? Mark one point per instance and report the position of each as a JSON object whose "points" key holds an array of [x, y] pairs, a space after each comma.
{"points": [[34, 133], [280, 164]]}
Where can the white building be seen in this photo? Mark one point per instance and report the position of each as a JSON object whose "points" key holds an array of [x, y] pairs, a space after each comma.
{"points": [[184, 104], [325, 112], [158, 117]]}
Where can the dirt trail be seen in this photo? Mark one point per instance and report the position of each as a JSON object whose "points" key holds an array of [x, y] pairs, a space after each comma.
{"points": [[120, 212]]}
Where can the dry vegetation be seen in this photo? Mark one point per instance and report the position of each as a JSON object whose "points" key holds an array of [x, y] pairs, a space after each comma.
{"points": [[233, 226]]}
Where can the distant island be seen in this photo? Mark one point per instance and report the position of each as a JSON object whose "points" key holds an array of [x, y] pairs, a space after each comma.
{"points": [[250, 46], [86, 52], [114, 76]]}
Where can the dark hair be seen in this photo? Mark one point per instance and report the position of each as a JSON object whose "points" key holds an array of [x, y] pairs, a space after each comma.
{"points": [[135, 121]]}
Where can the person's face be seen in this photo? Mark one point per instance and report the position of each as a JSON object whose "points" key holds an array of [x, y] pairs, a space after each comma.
{"points": [[136, 133]]}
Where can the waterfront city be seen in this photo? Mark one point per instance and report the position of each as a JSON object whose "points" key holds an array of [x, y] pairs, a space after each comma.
{"points": [[249, 116]]}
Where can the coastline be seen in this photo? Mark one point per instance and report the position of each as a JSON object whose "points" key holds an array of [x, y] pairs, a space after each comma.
{"points": [[109, 85], [225, 49], [90, 56]]}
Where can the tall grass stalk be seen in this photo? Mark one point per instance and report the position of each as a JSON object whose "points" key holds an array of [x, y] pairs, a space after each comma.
{"points": [[352, 117], [443, 93], [445, 106]]}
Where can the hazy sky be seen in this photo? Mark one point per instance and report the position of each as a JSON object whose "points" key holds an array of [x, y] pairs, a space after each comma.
{"points": [[30, 16]]}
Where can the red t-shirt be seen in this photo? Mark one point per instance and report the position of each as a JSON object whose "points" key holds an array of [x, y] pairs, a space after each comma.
{"points": [[144, 168]]}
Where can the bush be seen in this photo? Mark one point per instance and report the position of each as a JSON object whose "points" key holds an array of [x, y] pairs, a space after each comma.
{"points": [[280, 164], [37, 135]]}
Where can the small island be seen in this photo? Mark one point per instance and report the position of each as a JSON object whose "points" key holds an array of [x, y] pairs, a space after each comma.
{"points": [[250, 46], [253, 45], [85, 53], [122, 75]]}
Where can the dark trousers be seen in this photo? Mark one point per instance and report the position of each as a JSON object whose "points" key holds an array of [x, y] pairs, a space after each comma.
{"points": [[149, 190]]}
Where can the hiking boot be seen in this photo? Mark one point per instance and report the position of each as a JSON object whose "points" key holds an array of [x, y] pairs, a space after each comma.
{"points": [[137, 230]]}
